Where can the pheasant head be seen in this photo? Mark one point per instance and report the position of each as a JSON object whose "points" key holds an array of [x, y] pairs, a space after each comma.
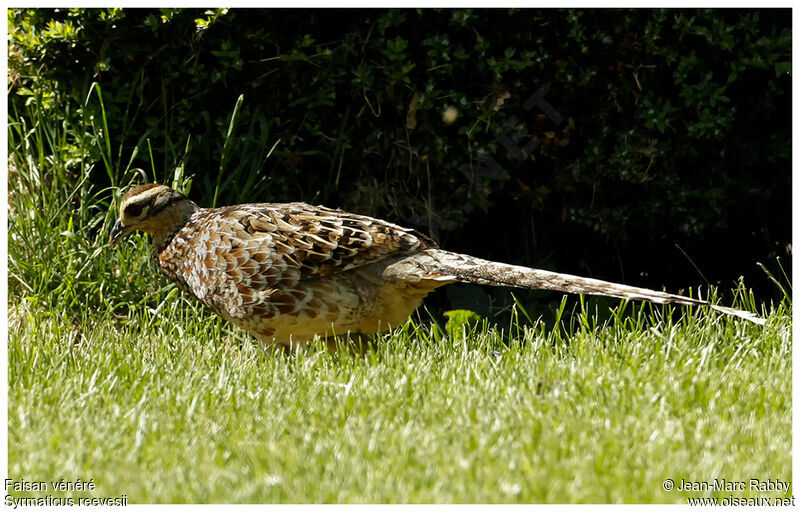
{"points": [[152, 208]]}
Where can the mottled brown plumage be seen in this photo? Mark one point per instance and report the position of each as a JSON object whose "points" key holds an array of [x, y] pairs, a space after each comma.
{"points": [[289, 272]]}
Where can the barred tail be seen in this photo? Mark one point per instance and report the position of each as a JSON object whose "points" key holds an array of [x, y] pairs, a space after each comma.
{"points": [[439, 265]]}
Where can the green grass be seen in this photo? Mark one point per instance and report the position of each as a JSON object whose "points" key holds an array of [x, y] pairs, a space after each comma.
{"points": [[601, 415], [115, 376]]}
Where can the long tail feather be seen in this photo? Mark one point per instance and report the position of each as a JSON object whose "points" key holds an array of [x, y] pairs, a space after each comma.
{"points": [[447, 266]]}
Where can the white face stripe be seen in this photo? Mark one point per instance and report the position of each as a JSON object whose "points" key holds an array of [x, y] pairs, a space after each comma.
{"points": [[144, 196]]}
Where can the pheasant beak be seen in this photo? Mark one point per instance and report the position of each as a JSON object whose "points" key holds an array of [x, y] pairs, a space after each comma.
{"points": [[117, 232]]}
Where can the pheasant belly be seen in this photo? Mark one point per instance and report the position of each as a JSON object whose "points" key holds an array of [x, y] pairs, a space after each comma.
{"points": [[300, 307], [335, 305]]}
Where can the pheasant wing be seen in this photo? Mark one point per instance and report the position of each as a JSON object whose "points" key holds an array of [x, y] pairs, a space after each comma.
{"points": [[317, 241]]}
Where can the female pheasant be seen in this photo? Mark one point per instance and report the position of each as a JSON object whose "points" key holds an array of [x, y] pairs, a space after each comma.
{"points": [[289, 272]]}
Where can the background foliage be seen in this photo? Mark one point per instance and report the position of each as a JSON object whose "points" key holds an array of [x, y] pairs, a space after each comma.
{"points": [[673, 151]]}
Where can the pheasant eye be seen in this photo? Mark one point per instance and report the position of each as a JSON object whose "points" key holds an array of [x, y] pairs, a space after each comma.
{"points": [[133, 210]]}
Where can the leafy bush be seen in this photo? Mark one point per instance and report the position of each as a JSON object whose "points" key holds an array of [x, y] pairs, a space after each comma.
{"points": [[671, 127]]}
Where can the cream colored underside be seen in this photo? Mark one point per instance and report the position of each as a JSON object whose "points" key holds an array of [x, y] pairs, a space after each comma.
{"points": [[354, 303]]}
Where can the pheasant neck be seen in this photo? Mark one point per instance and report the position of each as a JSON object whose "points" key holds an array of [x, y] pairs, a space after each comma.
{"points": [[173, 220]]}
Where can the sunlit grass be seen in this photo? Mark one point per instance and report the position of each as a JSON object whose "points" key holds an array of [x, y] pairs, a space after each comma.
{"points": [[589, 416]]}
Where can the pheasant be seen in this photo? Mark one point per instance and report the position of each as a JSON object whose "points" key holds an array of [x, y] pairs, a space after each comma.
{"points": [[287, 272]]}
